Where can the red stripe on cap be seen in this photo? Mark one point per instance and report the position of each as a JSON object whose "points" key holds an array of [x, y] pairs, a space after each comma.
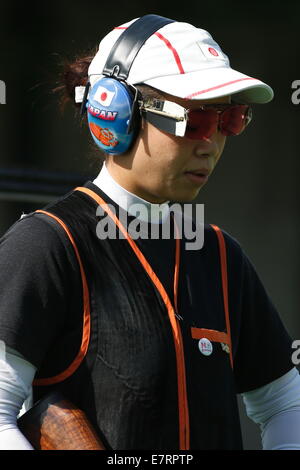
{"points": [[169, 45], [218, 86], [175, 53]]}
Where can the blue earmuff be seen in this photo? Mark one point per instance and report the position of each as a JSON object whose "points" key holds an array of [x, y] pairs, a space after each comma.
{"points": [[111, 103], [109, 111]]}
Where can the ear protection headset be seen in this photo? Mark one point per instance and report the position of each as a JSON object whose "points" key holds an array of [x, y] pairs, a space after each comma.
{"points": [[111, 103]]}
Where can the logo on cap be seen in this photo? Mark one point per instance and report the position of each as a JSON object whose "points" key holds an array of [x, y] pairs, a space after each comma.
{"points": [[210, 52], [205, 346], [213, 51]]}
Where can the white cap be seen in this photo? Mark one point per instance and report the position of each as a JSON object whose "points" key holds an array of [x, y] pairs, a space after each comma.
{"points": [[184, 61]]}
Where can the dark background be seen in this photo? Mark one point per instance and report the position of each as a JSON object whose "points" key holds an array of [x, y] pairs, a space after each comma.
{"points": [[254, 192]]}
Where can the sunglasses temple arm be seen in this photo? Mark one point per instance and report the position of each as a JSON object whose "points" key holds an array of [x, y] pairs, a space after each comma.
{"points": [[162, 113], [165, 123]]}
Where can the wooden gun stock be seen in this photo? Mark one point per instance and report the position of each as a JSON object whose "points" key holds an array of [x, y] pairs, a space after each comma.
{"points": [[54, 423]]}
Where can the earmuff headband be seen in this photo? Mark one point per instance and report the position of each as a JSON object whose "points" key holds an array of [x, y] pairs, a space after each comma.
{"points": [[122, 55]]}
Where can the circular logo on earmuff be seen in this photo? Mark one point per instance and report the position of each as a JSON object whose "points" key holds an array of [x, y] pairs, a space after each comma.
{"points": [[105, 136]]}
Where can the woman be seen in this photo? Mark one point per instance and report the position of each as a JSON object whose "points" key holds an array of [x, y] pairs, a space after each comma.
{"points": [[151, 337]]}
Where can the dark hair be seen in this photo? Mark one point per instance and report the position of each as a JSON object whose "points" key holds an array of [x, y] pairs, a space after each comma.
{"points": [[75, 73]]}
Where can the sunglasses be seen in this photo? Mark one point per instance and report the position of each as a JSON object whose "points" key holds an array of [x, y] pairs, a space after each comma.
{"points": [[196, 124]]}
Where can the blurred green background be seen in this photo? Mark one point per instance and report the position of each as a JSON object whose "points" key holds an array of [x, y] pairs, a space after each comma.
{"points": [[254, 192]]}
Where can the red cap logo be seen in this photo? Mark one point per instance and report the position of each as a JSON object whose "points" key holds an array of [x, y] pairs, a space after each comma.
{"points": [[213, 51]]}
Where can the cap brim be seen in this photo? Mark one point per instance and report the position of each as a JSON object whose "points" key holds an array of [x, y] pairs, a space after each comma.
{"points": [[213, 83]]}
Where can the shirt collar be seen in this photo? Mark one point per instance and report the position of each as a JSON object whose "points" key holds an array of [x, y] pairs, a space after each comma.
{"points": [[133, 204]]}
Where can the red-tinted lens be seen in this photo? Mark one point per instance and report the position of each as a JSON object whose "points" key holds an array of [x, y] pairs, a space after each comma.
{"points": [[202, 123], [234, 120]]}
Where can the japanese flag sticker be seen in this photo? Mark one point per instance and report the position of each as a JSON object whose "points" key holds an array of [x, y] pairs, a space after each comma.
{"points": [[103, 96], [205, 346]]}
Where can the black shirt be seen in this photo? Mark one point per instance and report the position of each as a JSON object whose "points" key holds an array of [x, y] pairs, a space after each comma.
{"points": [[41, 299]]}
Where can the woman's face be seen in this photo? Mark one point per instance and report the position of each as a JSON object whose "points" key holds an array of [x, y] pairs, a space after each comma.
{"points": [[156, 168]]}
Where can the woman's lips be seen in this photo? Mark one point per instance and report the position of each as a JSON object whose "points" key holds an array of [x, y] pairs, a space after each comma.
{"points": [[198, 177]]}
